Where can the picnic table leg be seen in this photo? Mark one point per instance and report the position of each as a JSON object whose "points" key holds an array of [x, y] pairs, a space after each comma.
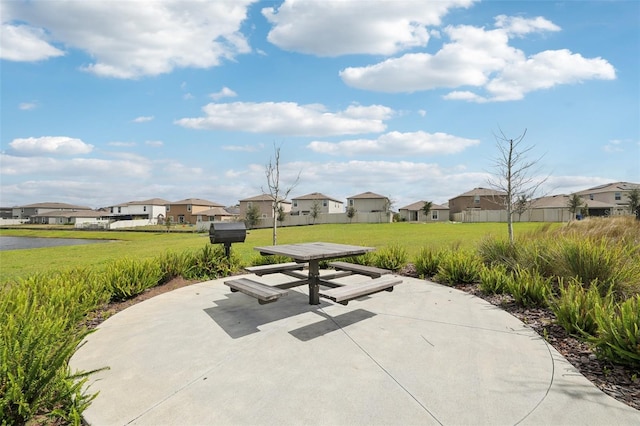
{"points": [[314, 282]]}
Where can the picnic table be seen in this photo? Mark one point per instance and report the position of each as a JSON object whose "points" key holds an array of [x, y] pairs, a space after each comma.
{"points": [[309, 255]]}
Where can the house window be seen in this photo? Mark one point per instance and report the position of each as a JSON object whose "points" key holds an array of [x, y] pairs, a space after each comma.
{"points": [[591, 196], [249, 204], [617, 196], [119, 209], [144, 209], [324, 203], [181, 219], [295, 203], [168, 208], [476, 199], [189, 207], [351, 203], [111, 209], [434, 214]]}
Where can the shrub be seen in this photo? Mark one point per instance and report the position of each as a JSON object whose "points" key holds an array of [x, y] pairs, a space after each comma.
{"points": [[494, 279], [392, 257], [210, 263], [599, 262], [575, 308], [529, 288], [126, 278], [458, 267], [427, 262], [173, 265], [618, 337], [39, 331], [494, 251]]}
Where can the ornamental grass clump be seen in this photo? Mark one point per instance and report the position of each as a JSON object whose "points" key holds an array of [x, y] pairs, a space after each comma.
{"points": [[427, 262], [126, 278], [458, 267], [498, 251], [618, 336], [575, 307], [529, 288], [392, 257], [40, 329], [173, 265], [600, 262], [494, 279]]}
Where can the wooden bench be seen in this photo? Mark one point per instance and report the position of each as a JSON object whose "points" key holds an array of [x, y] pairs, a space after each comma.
{"points": [[262, 292], [370, 271], [349, 292], [275, 268]]}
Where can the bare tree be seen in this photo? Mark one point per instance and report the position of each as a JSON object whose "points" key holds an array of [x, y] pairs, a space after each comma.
{"points": [[272, 171], [514, 174]]}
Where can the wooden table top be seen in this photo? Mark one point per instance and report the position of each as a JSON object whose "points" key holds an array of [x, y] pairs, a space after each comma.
{"points": [[314, 251]]}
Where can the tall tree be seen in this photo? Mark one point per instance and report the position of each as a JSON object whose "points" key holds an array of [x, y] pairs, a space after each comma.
{"points": [[426, 208], [252, 216], [515, 174], [278, 194], [315, 210]]}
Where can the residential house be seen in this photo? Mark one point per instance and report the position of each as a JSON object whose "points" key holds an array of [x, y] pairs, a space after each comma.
{"points": [[264, 202], [31, 211], [316, 201], [68, 217], [477, 199], [415, 213], [615, 194], [555, 208], [369, 202], [219, 214], [189, 210], [153, 210]]}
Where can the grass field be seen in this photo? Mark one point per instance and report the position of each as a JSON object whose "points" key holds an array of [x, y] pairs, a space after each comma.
{"points": [[141, 245]]}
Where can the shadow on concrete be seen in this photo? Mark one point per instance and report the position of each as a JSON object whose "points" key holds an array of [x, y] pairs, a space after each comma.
{"points": [[240, 315]]}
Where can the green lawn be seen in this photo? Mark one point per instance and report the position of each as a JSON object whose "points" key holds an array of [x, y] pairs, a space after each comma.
{"points": [[412, 236]]}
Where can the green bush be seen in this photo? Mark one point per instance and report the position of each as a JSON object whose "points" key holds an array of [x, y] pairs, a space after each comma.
{"points": [[493, 251], [601, 262], [393, 257], [173, 265], [126, 278], [40, 329], [537, 254], [575, 307], [529, 288], [210, 263], [618, 337], [494, 279], [458, 267], [427, 262]]}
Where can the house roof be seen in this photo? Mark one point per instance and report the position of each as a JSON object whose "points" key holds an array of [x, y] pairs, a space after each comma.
{"points": [[610, 187], [152, 201], [195, 202], [316, 196], [55, 206], [219, 211], [562, 201], [264, 197], [481, 192], [69, 213], [419, 204], [367, 195]]}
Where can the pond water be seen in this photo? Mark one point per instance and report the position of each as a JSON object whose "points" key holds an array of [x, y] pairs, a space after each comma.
{"points": [[17, 243]]}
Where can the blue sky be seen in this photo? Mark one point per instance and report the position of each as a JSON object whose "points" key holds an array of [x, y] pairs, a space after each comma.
{"points": [[104, 102]]}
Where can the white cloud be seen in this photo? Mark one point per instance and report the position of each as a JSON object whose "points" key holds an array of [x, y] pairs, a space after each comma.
{"points": [[92, 168], [26, 106], [397, 144], [225, 92], [21, 43], [125, 144], [143, 119], [289, 118], [154, 143], [57, 145], [329, 28], [128, 39], [244, 148], [483, 59]]}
